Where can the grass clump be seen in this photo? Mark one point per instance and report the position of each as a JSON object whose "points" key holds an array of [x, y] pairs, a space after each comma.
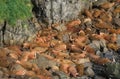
{"points": [[13, 10]]}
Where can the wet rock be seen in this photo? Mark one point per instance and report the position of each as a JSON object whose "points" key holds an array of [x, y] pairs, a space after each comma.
{"points": [[89, 71]]}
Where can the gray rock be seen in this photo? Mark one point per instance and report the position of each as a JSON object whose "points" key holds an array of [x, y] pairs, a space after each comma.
{"points": [[56, 77], [54, 11], [60, 27], [117, 21], [113, 70], [4, 70], [118, 40], [88, 64], [83, 77], [99, 53], [109, 54], [95, 45], [99, 2], [43, 62], [16, 67], [21, 32], [89, 71], [61, 75], [103, 43], [99, 77]]}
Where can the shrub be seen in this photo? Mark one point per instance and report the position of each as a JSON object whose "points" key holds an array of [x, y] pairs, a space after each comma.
{"points": [[13, 10]]}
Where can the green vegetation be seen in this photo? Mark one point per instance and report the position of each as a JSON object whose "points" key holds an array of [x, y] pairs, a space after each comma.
{"points": [[13, 10]]}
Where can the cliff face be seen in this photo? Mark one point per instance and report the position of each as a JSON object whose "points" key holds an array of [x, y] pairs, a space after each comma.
{"points": [[53, 11]]}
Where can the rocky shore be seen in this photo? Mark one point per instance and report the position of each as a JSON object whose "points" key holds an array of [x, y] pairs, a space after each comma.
{"points": [[85, 48]]}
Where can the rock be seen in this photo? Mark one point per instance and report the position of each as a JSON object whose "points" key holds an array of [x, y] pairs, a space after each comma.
{"points": [[60, 27], [22, 77], [88, 64], [83, 77], [56, 77], [99, 2], [117, 21], [99, 53], [99, 77], [43, 62], [54, 11], [23, 31], [95, 45], [1, 73], [11, 78], [109, 54], [66, 38], [99, 69], [103, 43], [61, 75], [89, 71], [113, 70], [33, 78], [118, 40]]}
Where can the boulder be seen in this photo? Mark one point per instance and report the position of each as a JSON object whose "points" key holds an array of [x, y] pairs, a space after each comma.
{"points": [[55, 11], [23, 31]]}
